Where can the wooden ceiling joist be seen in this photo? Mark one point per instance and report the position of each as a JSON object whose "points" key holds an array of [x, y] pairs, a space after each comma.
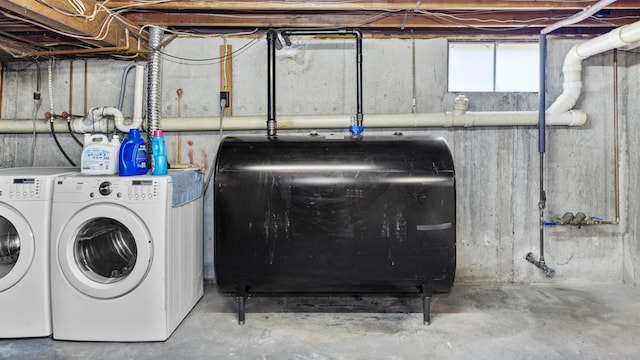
{"points": [[359, 19], [51, 27], [356, 5], [100, 29]]}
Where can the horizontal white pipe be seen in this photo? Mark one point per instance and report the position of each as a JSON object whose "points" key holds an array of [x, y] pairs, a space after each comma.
{"points": [[572, 67], [444, 119]]}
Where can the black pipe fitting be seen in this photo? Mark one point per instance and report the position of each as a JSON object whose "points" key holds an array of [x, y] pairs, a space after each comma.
{"points": [[273, 43]]}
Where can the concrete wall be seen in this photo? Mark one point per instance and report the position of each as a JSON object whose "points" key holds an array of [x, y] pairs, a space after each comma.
{"points": [[497, 168], [630, 92]]}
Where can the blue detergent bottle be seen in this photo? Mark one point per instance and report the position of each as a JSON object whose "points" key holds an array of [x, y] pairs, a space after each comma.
{"points": [[159, 165], [133, 155]]}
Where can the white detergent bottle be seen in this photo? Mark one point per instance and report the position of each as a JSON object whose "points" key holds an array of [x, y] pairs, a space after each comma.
{"points": [[99, 155]]}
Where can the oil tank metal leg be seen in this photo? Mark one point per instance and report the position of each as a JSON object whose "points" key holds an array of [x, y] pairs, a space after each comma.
{"points": [[242, 299], [427, 293]]}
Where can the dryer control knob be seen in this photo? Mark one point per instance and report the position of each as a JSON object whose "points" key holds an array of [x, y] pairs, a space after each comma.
{"points": [[105, 188]]}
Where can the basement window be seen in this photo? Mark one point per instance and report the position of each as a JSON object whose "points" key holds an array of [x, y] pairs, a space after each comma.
{"points": [[493, 67]]}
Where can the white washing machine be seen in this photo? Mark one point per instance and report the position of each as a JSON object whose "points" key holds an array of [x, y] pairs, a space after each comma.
{"points": [[126, 260], [25, 206]]}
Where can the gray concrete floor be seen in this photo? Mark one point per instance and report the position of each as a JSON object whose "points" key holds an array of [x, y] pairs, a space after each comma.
{"points": [[472, 322]]}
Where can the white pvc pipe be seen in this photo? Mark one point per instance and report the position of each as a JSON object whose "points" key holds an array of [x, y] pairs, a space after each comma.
{"points": [[443, 119], [138, 93], [572, 67], [96, 120]]}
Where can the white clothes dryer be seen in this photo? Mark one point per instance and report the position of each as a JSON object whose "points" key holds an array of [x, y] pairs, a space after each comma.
{"points": [[126, 262], [25, 206]]}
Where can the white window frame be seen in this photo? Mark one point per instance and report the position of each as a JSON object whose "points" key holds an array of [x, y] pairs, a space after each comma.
{"points": [[478, 66]]}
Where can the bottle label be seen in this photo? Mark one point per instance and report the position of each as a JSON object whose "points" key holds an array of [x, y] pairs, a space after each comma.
{"points": [[141, 157], [96, 159]]}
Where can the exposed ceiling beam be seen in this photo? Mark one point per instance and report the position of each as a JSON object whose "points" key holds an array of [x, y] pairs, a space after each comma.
{"points": [[355, 5], [366, 20], [105, 27], [102, 28], [13, 47]]}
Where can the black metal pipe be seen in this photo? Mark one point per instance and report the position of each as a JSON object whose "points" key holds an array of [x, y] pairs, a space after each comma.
{"points": [[541, 206], [616, 145], [272, 42], [272, 37], [542, 135], [541, 95], [541, 150]]}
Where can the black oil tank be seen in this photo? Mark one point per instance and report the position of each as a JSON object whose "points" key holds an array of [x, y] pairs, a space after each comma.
{"points": [[319, 215]]}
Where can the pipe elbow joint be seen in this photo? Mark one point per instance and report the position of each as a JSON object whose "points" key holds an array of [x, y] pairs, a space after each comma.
{"points": [[89, 124], [356, 32]]}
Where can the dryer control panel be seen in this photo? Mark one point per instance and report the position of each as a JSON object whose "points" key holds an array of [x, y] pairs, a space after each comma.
{"points": [[127, 189]]}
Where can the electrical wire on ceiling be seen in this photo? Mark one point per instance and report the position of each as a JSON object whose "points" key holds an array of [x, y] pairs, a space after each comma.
{"points": [[188, 34], [99, 33], [154, 2], [102, 31], [213, 60], [457, 20]]}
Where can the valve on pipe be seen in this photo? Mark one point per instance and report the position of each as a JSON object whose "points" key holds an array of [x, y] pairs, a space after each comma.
{"points": [[549, 272]]}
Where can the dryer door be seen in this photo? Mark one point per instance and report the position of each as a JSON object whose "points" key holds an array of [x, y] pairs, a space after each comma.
{"points": [[105, 250], [17, 246]]}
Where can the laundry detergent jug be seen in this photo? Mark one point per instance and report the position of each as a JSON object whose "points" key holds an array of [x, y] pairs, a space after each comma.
{"points": [[99, 155], [133, 155]]}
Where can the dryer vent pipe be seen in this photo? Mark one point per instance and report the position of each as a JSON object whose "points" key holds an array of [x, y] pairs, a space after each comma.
{"points": [[153, 81]]}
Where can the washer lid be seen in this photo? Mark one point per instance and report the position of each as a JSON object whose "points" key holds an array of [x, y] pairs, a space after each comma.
{"points": [[17, 246], [105, 251]]}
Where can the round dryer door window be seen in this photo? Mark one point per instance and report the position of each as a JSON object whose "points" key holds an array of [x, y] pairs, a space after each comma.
{"points": [[105, 256], [16, 247], [105, 250]]}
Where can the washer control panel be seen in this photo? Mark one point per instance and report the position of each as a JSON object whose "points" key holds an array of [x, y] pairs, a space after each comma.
{"points": [[21, 188]]}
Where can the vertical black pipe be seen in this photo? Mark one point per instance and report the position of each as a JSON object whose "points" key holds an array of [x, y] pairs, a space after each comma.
{"points": [[271, 83], [542, 136], [616, 145], [359, 114], [542, 95], [540, 263]]}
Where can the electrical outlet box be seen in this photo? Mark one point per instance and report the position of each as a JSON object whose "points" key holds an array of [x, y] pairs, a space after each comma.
{"points": [[224, 95]]}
